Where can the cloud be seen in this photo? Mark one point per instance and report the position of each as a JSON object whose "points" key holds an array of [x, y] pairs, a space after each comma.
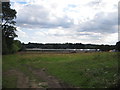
{"points": [[66, 35], [22, 35], [85, 21], [109, 38], [102, 22], [62, 35], [44, 14], [38, 16]]}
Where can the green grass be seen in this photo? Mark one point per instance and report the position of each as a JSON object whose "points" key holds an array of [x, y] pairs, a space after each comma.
{"points": [[84, 70], [9, 81]]}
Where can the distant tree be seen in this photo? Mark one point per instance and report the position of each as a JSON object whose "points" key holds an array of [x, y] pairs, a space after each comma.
{"points": [[117, 46], [8, 27], [16, 46], [23, 47]]}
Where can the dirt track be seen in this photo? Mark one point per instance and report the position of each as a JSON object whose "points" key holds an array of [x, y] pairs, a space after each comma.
{"points": [[24, 81]]}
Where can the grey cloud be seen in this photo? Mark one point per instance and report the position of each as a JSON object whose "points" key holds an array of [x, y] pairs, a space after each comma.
{"points": [[95, 3], [38, 16], [103, 23], [34, 16]]}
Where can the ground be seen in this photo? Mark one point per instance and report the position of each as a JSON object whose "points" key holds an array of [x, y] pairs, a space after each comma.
{"points": [[47, 81], [51, 70]]}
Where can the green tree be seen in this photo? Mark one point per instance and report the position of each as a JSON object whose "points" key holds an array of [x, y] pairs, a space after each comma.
{"points": [[16, 46], [8, 27], [117, 46]]}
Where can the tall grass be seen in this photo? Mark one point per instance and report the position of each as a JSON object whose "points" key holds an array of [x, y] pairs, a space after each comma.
{"points": [[84, 70]]}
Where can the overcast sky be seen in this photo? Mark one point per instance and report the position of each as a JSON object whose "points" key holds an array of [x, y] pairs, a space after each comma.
{"points": [[61, 21]]}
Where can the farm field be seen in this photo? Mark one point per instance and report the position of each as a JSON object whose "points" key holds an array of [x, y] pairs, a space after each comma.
{"points": [[82, 70]]}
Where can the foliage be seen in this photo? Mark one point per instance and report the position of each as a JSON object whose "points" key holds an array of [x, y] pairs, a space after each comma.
{"points": [[118, 46], [69, 46], [8, 28], [9, 79], [16, 46]]}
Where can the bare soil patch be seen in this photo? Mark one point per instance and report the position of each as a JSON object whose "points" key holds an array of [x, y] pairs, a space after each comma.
{"points": [[24, 81], [50, 81]]}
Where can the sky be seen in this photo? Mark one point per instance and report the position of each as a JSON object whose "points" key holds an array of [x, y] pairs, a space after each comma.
{"points": [[62, 21]]}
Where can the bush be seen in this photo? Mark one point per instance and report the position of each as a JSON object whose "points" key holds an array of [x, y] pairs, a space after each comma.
{"points": [[117, 46]]}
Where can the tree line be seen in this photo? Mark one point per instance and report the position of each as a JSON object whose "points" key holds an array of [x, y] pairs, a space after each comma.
{"points": [[68, 46]]}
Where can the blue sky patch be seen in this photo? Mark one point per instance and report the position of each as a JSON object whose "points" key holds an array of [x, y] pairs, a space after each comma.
{"points": [[19, 2], [22, 2]]}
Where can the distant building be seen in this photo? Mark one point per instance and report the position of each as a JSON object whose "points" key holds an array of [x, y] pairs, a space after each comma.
{"points": [[62, 50], [112, 50]]}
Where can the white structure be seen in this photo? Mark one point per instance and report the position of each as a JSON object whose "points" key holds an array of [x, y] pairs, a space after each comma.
{"points": [[62, 50]]}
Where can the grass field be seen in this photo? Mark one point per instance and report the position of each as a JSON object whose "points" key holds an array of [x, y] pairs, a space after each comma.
{"points": [[84, 70]]}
